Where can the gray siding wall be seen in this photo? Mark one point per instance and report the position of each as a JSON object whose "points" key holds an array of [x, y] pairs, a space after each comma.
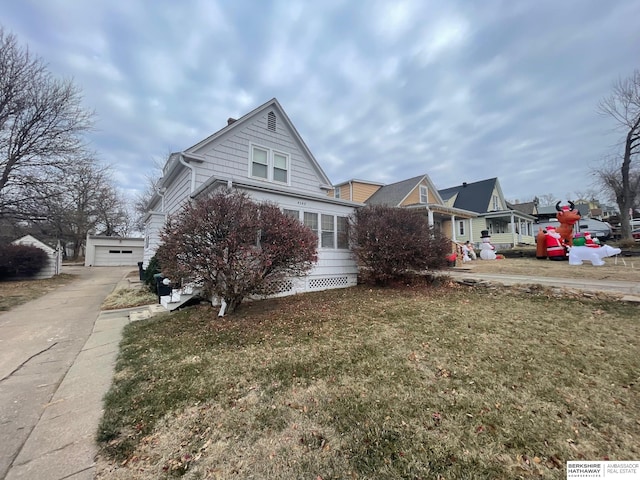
{"points": [[229, 155], [153, 228], [178, 191]]}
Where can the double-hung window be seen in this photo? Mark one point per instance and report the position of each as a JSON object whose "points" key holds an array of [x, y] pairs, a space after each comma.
{"points": [[311, 221], [269, 164], [328, 229], [424, 194], [343, 238]]}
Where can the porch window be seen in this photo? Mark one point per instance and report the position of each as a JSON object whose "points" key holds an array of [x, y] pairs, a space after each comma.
{"points": [[424, 194], [291, 213], [343, 239], [328, 229], [461, 227], [311, 221]]}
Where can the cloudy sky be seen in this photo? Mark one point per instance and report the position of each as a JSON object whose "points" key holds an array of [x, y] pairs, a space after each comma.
{"points": [[379, 90]]}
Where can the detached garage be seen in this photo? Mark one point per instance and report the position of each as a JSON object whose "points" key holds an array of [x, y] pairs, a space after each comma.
{"points": [[113, 251]]}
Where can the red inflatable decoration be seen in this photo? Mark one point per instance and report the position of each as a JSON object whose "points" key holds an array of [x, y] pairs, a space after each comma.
{"points": [[554, 245]]}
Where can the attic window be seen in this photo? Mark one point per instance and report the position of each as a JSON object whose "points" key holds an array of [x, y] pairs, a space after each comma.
{"points": [[424, 194], [271, 121]]}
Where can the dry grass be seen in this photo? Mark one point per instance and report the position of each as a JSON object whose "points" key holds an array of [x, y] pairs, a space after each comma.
{"points": [[14, 293], [128, 298], [423, 382], [618, 269]]}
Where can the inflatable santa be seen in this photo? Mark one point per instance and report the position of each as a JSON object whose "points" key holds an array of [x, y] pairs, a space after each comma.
{"points": [[555, 246]]}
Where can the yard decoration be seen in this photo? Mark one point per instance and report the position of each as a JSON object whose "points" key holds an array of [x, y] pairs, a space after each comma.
{"points": [[567, 215], [555, 245], [593, 254], [591, 242], [487, 250]]}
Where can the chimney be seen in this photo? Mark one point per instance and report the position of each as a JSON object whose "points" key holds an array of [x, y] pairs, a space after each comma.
{"points": [[230, 120]]}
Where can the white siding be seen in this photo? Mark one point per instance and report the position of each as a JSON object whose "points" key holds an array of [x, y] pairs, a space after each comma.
{"points": [[178, 191], [153, 227], [107, 251], [53, 264], [332, 263], [229, 156]]}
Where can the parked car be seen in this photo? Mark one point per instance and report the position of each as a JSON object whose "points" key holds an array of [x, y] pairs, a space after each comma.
{"points": [[597, 229], [636, 234], [601, 230]]}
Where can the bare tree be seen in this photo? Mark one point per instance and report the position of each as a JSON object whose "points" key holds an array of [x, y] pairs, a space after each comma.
{"points": [[84, 201], [41, 122], [143, 198], [623, 105], [547, 199]]}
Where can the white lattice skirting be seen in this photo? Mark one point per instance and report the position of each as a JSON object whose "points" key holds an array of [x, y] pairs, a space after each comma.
{"points": [[328, 282]]}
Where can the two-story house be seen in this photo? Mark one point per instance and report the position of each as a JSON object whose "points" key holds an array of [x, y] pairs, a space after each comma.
{"points": [[507, 226], [262, 154]]}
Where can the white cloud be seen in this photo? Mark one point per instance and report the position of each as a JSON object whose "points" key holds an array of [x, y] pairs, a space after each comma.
{"points": [[439, 38]]}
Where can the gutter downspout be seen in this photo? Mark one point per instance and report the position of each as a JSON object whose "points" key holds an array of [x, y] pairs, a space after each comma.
{"points": [[160, 191], [193, 171], [351, 190]]}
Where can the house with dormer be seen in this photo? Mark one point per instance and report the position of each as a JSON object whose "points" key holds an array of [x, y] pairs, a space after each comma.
{"points": [[418, 193], [262, 154], [507, 226]]}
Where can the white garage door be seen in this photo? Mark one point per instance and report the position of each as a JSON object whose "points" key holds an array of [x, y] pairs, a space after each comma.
{"points": [[117, 256]]}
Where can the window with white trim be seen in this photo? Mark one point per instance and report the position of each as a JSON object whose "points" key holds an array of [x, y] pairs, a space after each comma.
{"points": [[424, 194], [336, 193], [311, 221], [327, 239], [331, 230], [342, 231], [291, 213], [496, 203], [461, 227], [269, 164]]}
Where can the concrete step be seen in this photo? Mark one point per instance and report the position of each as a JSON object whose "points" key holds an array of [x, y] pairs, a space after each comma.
{"points": [[146, 312], [172, 302]]}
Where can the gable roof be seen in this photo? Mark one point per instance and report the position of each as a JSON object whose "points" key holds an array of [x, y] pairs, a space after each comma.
{"points": [[271, 104], [475, 196], [394, 193], [530, 208], [177, 160], [34, 242]]}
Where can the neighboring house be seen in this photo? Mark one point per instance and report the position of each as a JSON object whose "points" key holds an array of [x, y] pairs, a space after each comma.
{"points": [[355, 190], [507, 226], [103, 251], [530, 208], [420, 194], [53, 266], [262, 154]]}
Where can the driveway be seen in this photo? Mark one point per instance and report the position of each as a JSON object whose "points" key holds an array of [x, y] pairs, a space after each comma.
{"points": [[39, 342]]}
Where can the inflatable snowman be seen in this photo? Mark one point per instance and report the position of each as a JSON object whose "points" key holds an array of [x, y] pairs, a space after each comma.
{"points": [[487, 251]]}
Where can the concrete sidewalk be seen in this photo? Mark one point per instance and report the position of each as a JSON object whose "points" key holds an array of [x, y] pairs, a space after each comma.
{"points": [[629, 291], [51, 402]]}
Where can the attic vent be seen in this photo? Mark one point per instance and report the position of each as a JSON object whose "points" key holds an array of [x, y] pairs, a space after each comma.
{"points": [[271, 121]]}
